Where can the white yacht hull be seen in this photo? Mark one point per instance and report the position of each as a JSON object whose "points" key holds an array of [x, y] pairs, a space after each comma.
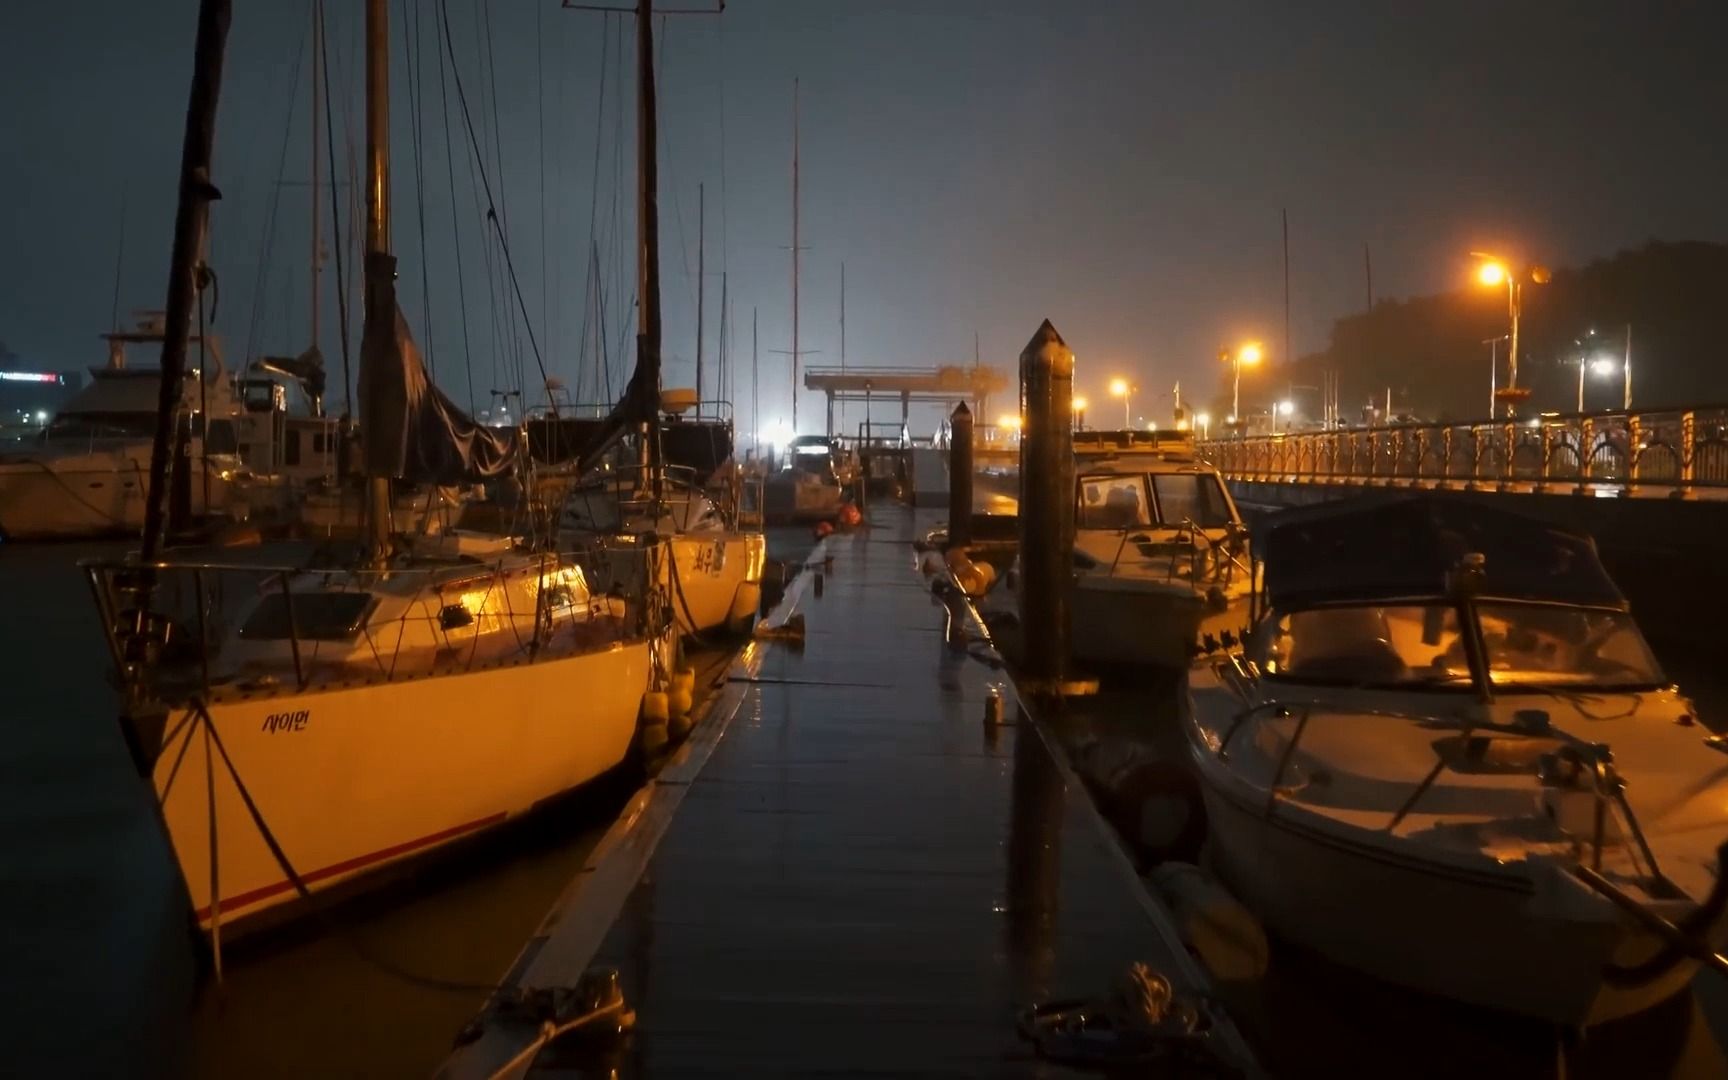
{"points": [[352, 779], [42, 500], [1136, 622], [1514, 937]]}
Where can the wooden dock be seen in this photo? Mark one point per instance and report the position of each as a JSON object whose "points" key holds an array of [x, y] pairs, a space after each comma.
{"points": [[845, 869]]}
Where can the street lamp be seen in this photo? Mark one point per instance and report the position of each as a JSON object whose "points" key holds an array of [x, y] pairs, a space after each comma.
{"points": [[1079, 407], [1248, 354], [1203, 421], [1493, 272], [1284, 409], [1493, 344], [1120, 388]]}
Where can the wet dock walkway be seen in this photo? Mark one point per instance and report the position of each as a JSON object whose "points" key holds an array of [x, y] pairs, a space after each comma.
{"points": [[845, 869]]}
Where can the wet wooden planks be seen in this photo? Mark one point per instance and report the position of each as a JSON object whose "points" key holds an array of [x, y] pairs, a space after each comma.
{"points": [[864, 878]]}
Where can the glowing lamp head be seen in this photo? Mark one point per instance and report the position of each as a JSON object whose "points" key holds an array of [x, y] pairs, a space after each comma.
{"points": [[1079, 404], [1203, 419], [1118, 387], [1491, 273], [1603, 368], [1250, 353], [1009, 422], [1285, 408]]}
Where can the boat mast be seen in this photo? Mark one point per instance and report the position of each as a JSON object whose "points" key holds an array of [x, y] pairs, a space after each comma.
{"points": [[377, 228], [191, 226], [317, 41], [647, 238], [701, 279], [795, 256]]}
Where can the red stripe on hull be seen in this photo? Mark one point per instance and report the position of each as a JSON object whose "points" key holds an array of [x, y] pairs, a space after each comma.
{"points": [[245, 899]]}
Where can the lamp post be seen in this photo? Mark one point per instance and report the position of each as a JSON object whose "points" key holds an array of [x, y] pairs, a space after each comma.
{"points": [[1079, 407], [1493, 344], [1493, 272], [1122, 389], [1248, 354], [1203, 421], [1283, 408]]}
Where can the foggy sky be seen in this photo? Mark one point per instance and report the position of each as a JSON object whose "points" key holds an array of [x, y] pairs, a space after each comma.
{"points": [[1118, 167]]}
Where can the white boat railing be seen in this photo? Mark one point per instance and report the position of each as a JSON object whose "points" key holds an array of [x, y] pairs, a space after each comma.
{"points": [[1209, 561], [218, 627]]}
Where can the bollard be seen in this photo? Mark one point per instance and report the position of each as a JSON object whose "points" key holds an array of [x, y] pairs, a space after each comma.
{"points": [[1046, 512], [960, 479]]}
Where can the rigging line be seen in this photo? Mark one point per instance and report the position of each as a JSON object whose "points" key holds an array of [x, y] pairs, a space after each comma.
{"points": [[336, 220], [489, 70], [667, 184], [119, 265], [456, 234], [491, 214], [593, 213], [477, 168], [259, 302], [616, 231], [410, 42], [545, 225]]}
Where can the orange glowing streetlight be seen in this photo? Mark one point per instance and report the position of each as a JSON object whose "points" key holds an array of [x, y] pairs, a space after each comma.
{"points": [[1122, 389], [1249, 354], [1078, 406], [1493, 272]]}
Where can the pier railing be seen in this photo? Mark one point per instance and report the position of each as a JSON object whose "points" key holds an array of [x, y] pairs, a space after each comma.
{"points": [[1675, 451]]}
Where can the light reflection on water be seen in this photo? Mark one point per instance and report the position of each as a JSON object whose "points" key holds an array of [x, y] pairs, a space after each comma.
{"points": [[100, 977]]}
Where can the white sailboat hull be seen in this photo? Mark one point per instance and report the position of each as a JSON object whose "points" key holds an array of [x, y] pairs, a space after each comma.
{"points": [[1133, 622], [350, 780], [718, 584]]}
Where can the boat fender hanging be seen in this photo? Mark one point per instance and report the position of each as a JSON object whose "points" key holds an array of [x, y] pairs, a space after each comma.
{"points": [[1225, 935], [655, 708]]}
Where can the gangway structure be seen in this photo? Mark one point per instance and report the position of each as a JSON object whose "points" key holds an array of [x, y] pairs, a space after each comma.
{"points": [[946, 385]]}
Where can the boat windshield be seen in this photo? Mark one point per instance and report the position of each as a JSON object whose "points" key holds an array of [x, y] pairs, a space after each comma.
{"points": [[316, 616], [1113, 501], [1529, 645], [1196, 497]]}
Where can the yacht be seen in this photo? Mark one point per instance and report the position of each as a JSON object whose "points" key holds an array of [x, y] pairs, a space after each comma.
{"points": [[1446, 757], [87, 472]]}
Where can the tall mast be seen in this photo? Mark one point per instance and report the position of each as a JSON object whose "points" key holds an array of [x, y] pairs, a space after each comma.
{"points": [[647, 234], [794, 256], [317, 22], [701, 276], [191, 225], [755, 391], [377, 226]]}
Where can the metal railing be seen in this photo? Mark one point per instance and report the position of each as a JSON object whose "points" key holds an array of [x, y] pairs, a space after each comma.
{"points": [[1674, 451], [189, 639]]}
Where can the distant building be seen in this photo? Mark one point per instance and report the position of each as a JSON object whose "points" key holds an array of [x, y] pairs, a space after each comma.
{"points": [[29, 394]]}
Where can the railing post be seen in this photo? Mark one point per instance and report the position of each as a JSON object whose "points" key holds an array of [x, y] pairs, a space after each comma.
{"points": [[960, 478], [1634, 451], [1443, 481], [1586, 444], [1046, 505], [1509, 450], [1545, 448], [1688, 453]]}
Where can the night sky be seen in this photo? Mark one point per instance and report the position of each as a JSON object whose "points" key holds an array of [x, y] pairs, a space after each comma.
{"points": [[1118, 167]]}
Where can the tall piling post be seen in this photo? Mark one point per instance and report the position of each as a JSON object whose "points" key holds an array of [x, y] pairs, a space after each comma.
{"points": [[960, 478], [1046, 516]]}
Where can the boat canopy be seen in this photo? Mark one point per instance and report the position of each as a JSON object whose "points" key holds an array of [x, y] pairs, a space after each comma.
{"points": [[1377, 549]]}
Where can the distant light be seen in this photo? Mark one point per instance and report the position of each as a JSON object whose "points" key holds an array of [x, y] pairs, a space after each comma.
{"points": [[1011, 421], [1251, 353], [1285, 408], [1118, 387], [1491, 273], [29, 376], [1604, 367], [1536, 421], [1204, 420], [1231, 419], [1181, 425], [41, 416], [1079, 404], [779, 433]]}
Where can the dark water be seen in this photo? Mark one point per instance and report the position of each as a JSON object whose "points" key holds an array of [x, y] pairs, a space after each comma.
{"points": [[100, 978]]}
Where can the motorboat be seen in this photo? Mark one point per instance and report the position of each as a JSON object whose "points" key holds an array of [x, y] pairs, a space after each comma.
{"points": [[302, 728], [713, 572], [1160, 554], [1446, 757], [808, 485], [86, 473]]}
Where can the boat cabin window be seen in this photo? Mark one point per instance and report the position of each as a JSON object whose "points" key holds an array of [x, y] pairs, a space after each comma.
{"points": [[1196, 497], [318, 616], [1412, 645], [1112, 501], [220, 438]]}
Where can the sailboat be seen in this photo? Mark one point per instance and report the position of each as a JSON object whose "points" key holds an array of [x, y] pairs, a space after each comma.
{"points": [[713, 574], [301, 729]]}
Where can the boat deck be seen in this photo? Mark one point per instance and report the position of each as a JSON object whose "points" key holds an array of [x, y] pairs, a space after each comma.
{"points": [[861, 876]]}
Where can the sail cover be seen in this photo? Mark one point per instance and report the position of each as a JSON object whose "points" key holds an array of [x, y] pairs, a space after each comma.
{"points": [[1379, 549], [409, 429]]}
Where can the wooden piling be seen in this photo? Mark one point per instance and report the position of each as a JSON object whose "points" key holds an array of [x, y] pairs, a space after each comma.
{"points": [[960, 478], [1046, 507]]}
